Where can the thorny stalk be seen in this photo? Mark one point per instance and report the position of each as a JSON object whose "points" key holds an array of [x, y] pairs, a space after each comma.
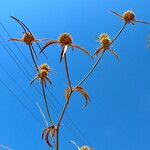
{"points": [[86, 76], [45, 101]]}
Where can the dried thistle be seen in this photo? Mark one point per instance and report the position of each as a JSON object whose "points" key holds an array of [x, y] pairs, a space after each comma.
{"points": [[129, 17], [42, 75], [105, 45], [27, 38], [50, 131], [65, 41], [44, 67], [80, 90]]}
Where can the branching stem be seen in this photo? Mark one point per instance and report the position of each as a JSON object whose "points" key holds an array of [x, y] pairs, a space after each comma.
{"points": [[69, 83], [45, 101], [100, 56]]}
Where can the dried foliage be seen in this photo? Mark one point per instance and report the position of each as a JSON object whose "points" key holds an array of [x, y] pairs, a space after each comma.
{"points": [[80, 90], [50, 131], [65, 41]]}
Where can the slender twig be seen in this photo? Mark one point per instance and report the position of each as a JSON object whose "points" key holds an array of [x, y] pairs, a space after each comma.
{"points": [[31, 52], [67, 102], [67, 71], [71, 90], [45, 100], [46, 123], [100, 56]]}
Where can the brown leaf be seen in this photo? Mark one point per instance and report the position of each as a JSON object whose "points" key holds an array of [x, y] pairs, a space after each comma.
{"points": [[49, 43], [67, 93], [98, 50], [50, 131], [83, 92], [82, 49]]}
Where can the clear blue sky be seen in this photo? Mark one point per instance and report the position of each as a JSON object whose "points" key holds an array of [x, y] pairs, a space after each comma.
{"points": [[118, 115]]}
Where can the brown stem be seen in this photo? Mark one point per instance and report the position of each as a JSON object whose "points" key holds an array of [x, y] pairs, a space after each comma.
{"points": [[45, 101], [31, 52], [69, 82], [66, 104], [100, 56]]}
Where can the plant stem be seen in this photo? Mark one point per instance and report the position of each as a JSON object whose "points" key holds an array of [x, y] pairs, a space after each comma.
{"points": [[31, 52], [100, 56], [67, 72], [45, 100], [69, 82], [66, 104]]}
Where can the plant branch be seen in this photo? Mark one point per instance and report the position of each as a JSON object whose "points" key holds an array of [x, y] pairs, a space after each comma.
{"points": [[45, 101], [100, 56], [71, 90], [67, 102], [31, 52]]}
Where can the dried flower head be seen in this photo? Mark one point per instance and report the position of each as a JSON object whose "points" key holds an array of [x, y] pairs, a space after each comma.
{"points": [[102, 36], [79, 89], [27, 38], [44, 67], [129, 17], [105, 45], [42, 75], [65, 41], [50, 131], [85, 148]]}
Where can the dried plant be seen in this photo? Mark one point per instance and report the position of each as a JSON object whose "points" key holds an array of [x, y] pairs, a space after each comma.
{"points": [[42, 75], [129, 17], [28, 39], [50, 131], [79, 89], [65, 41], [105, 41]]}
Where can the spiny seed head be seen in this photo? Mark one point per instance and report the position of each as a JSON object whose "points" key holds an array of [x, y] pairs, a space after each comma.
{"points": [[44, 67], [43, 73], [103, 35], [85, 148], [105, 42], [28, 38], [65, 39], [129, 16]]}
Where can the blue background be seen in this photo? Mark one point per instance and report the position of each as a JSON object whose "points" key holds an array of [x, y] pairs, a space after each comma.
{"points": [[118, 115]]}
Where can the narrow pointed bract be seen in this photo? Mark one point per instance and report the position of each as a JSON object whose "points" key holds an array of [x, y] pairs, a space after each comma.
{"points": [[50, 131], [129, 17], [80, 90], [65, 41]]}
